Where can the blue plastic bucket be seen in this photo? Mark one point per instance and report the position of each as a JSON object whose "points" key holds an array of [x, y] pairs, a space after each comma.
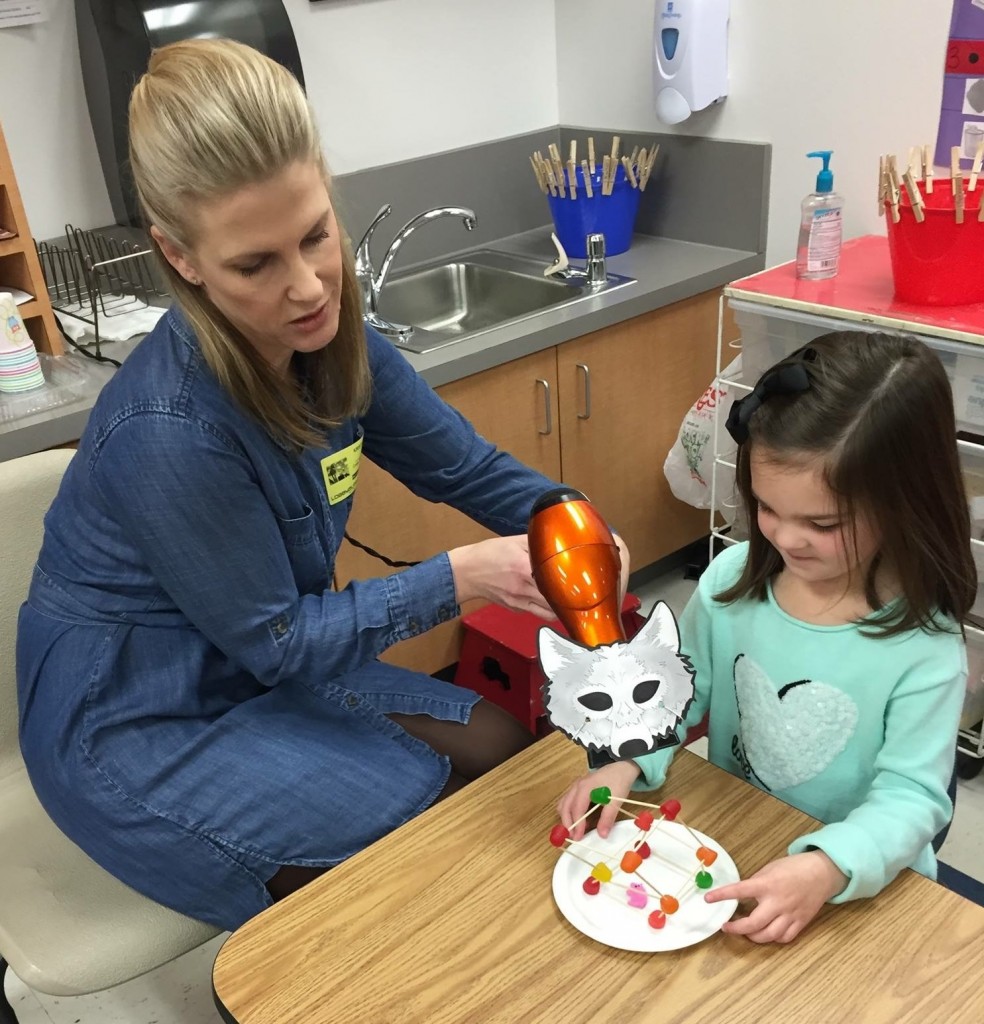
{"points": [[612, 216]]}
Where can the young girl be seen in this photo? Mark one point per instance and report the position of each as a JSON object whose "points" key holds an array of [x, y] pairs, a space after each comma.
{"points": [[828, 648]]}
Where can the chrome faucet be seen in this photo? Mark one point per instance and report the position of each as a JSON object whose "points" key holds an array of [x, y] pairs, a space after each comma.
{"points": [[595, 272], [372, 282]]}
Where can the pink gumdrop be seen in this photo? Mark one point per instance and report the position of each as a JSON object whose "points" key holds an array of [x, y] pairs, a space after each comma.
{"points": [[670, 809], [559, 835], [657, 919], [637, 895], [644, 820], [643, 850], [591, 886]]}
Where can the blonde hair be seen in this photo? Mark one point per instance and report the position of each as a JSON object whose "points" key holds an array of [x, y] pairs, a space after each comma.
{"points": [[209, 117]]}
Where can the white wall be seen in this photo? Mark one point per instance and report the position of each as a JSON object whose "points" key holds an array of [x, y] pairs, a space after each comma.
{"points": [[389, 80], [394, 79], [860, 77]]}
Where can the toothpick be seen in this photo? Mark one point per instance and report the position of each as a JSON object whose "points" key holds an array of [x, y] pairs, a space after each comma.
{"points": [[572, 177], [915, 196], [647, 882], [627, 164], [591, 157], [584, 860], [587, 814], [975, 169], [928, 170], [589, 188]]}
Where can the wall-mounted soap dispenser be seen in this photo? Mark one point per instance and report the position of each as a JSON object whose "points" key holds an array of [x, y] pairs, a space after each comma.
{"points": [[690, 72]]}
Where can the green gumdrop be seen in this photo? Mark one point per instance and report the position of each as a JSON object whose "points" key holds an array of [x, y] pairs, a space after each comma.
{"points": [[601, 795], [704, 880]]}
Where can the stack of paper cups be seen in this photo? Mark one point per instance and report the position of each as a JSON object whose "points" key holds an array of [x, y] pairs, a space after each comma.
{"points": [[19, 366]]}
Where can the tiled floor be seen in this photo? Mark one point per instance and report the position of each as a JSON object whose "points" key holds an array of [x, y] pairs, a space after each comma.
{"points": [[181, 993]]}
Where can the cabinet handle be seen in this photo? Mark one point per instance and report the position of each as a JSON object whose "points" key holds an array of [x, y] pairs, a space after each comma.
{"points": [[586, 415], [548, 415]]}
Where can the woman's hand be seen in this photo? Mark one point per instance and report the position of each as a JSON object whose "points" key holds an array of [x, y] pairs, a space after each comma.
{"points": [[618, 777], [789, 893], [498, 570]]}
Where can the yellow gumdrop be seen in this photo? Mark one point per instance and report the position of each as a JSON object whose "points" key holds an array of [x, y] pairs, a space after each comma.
{"points": [[602, 872]]}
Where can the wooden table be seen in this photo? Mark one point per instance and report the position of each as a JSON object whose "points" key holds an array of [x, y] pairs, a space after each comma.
{"points": [[451, 919]]}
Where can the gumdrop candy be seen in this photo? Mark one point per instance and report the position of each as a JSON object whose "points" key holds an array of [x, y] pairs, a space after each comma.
{"points": [[559, 835], [591, 886], [706, 856], [601, 795], [630, 861], [669, 904], [644, 820], [657, 919], [670, 809], [703, 880], [602, 872], [637, 895], [643, 850]]}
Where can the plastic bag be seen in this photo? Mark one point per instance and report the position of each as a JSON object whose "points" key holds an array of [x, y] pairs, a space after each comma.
{"points": [[689, 465]]}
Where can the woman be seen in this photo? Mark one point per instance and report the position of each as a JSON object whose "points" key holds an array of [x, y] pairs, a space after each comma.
{"points": [[221, 730]]}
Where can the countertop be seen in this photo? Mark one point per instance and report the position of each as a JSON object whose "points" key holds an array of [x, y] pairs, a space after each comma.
{"points": [[665, 271]]}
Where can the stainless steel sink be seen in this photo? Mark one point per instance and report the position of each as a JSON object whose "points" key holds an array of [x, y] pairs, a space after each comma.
{"points": [[454, 299]]}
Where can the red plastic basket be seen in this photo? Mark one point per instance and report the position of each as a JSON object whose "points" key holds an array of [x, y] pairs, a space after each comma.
{"points": [[938, 262]]}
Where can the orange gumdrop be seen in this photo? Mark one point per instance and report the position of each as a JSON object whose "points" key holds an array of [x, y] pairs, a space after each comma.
{"points": [[706, 856], [630, 861], [669, 904]]}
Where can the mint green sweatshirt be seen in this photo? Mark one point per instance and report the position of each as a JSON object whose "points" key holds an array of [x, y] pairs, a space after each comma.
{"points": [[856, 731]]}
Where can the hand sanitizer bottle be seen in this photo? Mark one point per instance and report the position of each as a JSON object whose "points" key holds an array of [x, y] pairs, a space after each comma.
{"points": [[820, 235]]}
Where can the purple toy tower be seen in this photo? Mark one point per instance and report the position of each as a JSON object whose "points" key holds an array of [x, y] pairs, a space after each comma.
{"points": [[962, 109]]}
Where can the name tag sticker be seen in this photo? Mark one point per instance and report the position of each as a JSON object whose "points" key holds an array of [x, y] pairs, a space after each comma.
{"points": [[341, 472]]}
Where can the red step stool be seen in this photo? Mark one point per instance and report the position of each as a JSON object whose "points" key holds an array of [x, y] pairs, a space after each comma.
{"points": [[499, 658]]}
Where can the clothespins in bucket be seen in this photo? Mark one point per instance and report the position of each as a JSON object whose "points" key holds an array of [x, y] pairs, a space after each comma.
{"points": [[927, 170], [956, 183], [975, 169], [893, 188], [915, 196]]}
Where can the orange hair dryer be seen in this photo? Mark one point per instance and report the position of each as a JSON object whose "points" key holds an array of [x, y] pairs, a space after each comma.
{"points": [[576, 566]]}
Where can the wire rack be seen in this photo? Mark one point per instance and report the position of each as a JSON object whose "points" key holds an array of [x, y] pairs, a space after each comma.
{"points": [[94, 276]]}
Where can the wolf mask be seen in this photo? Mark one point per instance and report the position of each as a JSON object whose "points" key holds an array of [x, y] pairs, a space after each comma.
{"points": [[621, 699]]}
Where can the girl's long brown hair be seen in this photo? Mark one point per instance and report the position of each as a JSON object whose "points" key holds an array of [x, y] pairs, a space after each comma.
{"points": [[879, 417], [209, 117]]}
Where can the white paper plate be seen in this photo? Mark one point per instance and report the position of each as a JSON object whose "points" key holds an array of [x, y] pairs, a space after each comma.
{"points": [[609, 919]]}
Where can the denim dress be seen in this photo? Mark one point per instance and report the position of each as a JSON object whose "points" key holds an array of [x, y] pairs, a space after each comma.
{"points": [[198, 707]]}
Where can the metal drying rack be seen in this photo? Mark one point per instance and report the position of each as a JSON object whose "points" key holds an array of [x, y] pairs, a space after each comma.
{"points": [[96, 275]]}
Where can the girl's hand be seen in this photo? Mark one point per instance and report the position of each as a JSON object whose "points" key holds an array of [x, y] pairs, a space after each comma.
{"points": [[618, 777], [498, 570], [789, 893]]}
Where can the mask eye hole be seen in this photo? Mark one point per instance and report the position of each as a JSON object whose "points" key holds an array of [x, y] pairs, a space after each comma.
{"points": [[597, 700], [644, 692]]}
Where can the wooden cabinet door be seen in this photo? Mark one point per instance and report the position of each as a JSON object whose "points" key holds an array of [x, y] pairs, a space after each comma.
{"points": [[624, 391], [514, 405]]}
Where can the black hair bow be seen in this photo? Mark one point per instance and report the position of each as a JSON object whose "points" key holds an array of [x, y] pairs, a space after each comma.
{"points": [[788, 378]]}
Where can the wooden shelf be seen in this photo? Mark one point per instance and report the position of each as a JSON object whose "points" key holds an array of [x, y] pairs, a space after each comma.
{"points": [[19, 263]]}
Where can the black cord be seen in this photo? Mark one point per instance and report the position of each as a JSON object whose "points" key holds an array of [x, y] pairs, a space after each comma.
{"points": [[375, 554], [84, 351]]}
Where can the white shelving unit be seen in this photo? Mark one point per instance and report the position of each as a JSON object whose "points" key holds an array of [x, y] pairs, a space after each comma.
{"points": [[770, 332]]}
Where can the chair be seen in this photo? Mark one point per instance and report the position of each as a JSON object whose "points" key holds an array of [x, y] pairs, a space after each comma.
{"points": [[67, 927]]}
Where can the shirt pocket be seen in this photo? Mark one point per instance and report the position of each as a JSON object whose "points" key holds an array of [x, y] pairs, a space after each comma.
{"points": [[305, 551]]}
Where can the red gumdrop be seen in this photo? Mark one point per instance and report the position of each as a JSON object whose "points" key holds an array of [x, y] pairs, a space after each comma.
{"points": [[670, 809], [706, 856], [558, 835], [644, 820], [657, 919], [591, 886], [643, 850]]}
